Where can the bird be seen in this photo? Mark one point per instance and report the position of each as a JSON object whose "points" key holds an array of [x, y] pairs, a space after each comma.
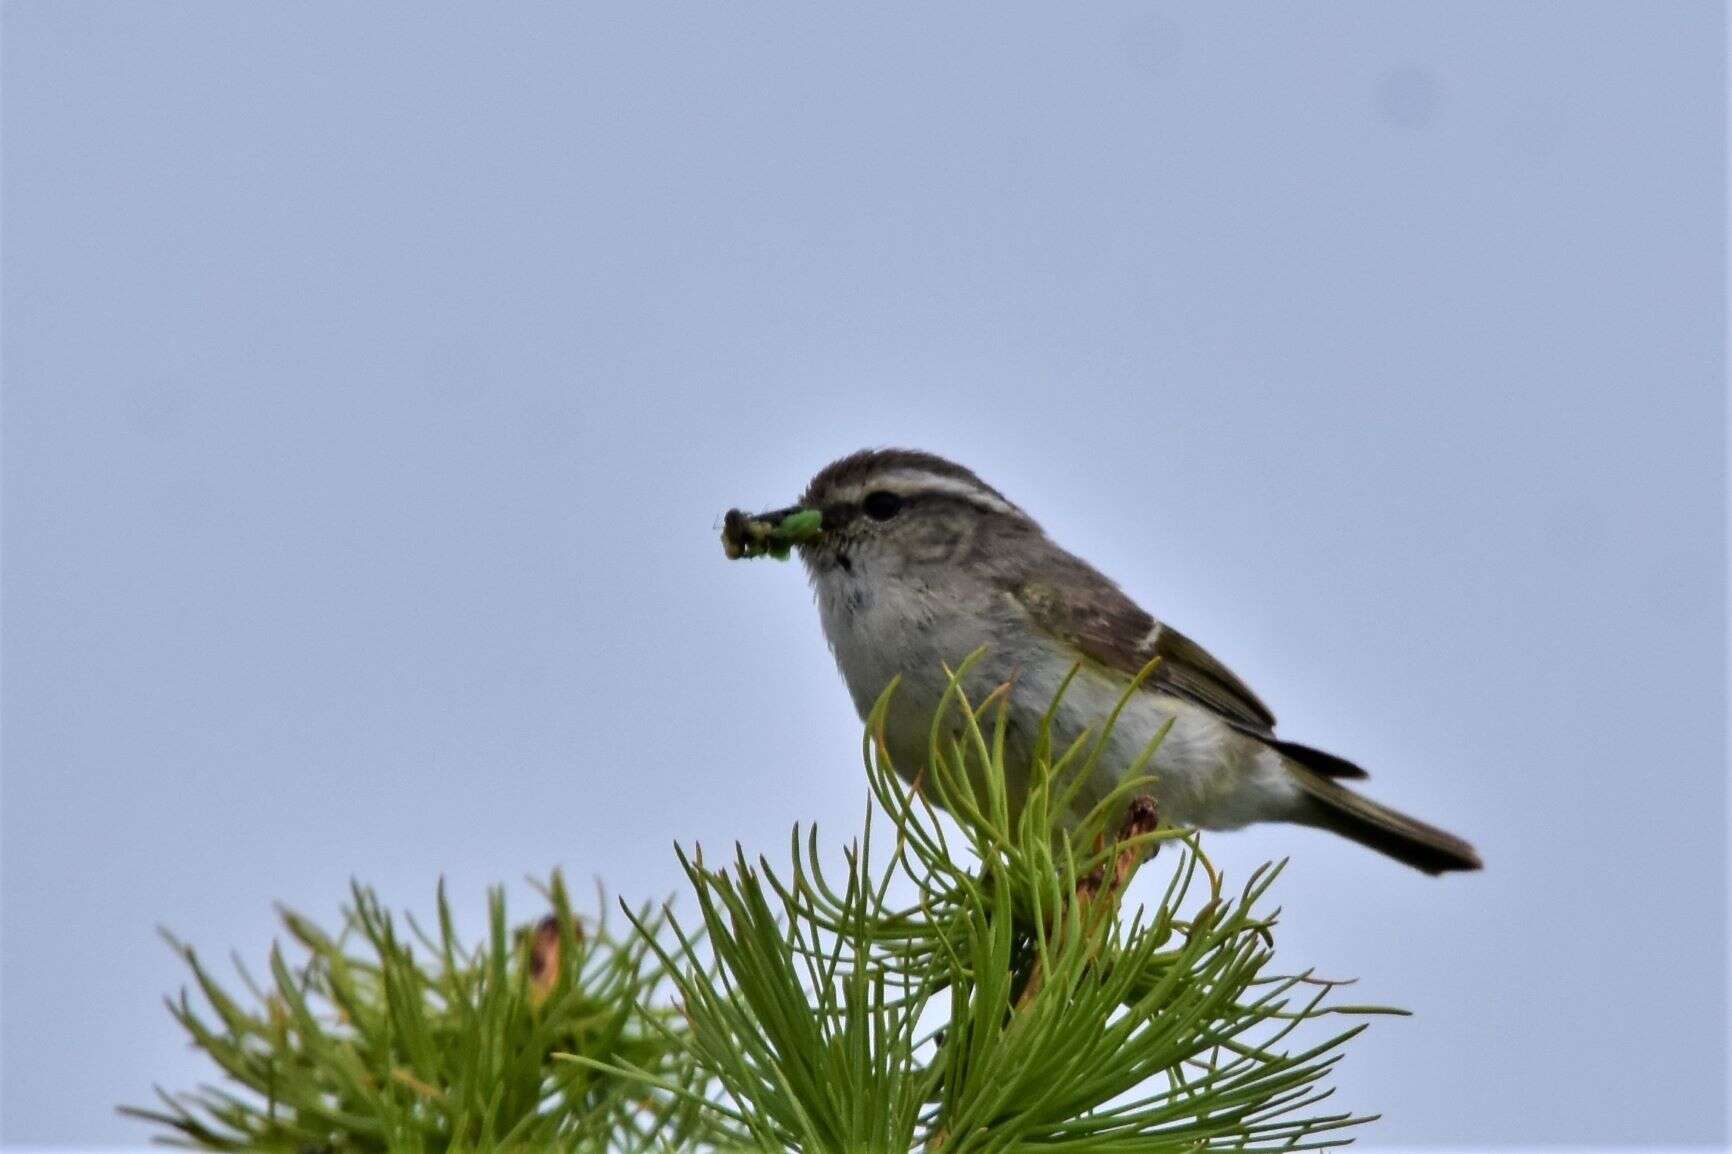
{"points": [[916, 563]]}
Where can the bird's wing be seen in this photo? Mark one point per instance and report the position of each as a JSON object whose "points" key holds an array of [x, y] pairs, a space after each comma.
{"points": [[1094, 617]]}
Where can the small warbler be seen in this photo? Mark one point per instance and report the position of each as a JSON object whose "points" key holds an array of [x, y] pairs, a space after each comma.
{"points": [[918, 563]]}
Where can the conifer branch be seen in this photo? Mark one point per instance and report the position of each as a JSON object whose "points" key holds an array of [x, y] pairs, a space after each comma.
{"points": [[973, 983]]}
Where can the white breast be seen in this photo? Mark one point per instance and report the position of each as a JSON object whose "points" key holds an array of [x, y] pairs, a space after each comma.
{"points": [[879, 629]]}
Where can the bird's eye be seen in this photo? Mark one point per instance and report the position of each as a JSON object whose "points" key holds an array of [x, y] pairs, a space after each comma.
{"points": [[881, 505]]}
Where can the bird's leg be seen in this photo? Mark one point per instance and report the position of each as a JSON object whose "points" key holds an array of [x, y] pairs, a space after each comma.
{"points": [[1143, 817], [1097, 894]]}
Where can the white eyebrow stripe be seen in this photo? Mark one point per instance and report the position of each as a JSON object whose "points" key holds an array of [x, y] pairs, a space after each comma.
{"points": [[911, 481]]}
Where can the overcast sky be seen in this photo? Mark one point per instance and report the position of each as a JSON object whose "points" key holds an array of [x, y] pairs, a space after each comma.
{"points": [[375, 379]]}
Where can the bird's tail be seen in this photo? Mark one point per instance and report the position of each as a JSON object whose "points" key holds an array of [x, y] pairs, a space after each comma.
{"points": [[1332, 806]]}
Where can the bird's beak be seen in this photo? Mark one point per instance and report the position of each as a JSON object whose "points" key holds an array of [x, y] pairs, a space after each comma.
{"points": [[769, 534]]}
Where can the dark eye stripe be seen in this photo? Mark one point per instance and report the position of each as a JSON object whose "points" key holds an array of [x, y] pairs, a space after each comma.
{"points": [[838, 514]]}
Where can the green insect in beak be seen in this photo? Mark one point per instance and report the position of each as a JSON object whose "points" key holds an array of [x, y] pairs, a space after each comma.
{"points": [[769, 534]]}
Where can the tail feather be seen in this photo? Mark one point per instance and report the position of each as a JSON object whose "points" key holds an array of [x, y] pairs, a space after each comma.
{"points": [[1332, 806], [1317, 761]]}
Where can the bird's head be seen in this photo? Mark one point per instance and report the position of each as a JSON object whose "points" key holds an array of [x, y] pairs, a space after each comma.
{"points": [[886, 510]]}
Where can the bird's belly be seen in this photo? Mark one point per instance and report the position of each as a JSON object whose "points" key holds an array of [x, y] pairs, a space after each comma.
{"points": [[1204, 773]]}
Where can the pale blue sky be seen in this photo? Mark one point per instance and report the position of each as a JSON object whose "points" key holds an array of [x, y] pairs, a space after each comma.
{"points": [[375, 377]]}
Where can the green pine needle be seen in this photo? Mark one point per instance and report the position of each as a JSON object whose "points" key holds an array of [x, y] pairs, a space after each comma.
{"points": [[972, 984], [388, 1038]]}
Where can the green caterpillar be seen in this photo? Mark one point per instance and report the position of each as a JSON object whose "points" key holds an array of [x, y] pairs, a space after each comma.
{"points": [[744, 535]]}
